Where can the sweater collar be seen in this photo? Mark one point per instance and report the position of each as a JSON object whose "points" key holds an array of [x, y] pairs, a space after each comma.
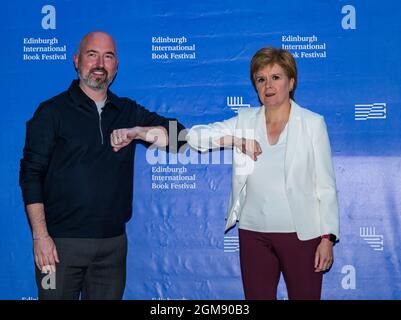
{"points": [[80, 98]]}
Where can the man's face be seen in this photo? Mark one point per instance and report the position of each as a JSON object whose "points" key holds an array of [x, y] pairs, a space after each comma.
{"points": [[96, 62]]}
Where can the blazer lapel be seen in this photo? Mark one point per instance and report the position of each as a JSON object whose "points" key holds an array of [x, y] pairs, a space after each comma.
{"points": [[294, 128]]}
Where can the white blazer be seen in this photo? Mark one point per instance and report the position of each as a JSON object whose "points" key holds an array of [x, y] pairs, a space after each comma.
{"points": [[309, 175]]}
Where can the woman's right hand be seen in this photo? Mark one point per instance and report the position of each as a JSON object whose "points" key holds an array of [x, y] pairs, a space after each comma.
{"points": [[250, 147]]}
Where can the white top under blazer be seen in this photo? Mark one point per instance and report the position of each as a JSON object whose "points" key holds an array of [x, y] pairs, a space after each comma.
{"points": [[266, 207], [308, 170]]}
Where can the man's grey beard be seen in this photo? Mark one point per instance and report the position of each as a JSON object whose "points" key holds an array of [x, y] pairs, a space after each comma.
{"points": [[97, 86]]}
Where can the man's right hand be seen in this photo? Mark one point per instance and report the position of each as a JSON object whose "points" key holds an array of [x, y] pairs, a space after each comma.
{"points": [[45, 253]]}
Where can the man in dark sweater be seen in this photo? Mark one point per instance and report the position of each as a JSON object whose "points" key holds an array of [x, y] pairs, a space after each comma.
{"points": [[77, 184]]}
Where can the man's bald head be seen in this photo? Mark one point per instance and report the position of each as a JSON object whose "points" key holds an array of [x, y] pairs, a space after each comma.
{"points": [[96, 36]]}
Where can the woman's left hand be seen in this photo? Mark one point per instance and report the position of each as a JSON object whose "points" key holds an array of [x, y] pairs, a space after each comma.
{"points": [[324, 255]]}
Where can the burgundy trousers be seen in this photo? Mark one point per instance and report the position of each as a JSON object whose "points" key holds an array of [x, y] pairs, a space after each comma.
{"points": [[264, 256]]}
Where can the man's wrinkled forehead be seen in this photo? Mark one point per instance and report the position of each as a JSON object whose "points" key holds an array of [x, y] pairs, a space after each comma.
{"points": [[98, 39]]}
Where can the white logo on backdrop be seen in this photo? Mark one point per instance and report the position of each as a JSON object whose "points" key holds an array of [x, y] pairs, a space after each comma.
{"points": [[370, 111], [375, 241], [231, 244], [348, 282], [49, 281], [49, 20], [349, 20], [234, 103]]}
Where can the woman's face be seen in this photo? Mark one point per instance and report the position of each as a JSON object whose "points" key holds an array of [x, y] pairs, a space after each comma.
{"points": [[273, 86]]}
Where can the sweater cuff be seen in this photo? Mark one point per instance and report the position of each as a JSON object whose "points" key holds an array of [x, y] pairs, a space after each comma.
{"points": [[33, 194]]}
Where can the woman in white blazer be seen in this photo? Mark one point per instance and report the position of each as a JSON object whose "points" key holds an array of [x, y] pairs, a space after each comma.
{"points": [[283, 185]]}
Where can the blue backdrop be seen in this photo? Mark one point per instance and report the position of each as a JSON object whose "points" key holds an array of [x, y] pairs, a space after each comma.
{"points": [[190, 60]]}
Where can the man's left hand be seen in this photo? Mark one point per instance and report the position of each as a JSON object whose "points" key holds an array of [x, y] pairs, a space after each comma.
{"points": [[120, 138]]}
